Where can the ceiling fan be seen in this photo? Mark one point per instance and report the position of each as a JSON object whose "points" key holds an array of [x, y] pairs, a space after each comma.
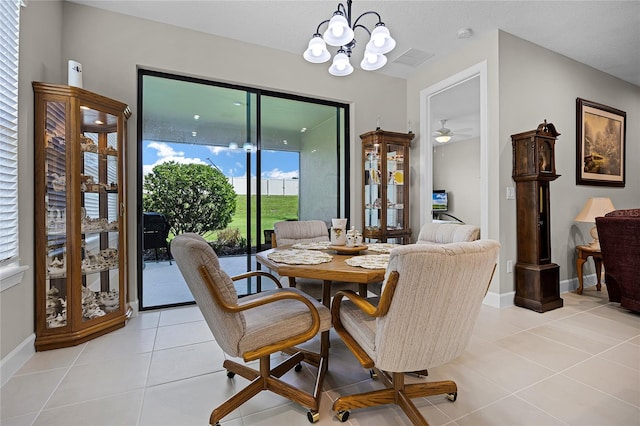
{"points": [[444, 134]]}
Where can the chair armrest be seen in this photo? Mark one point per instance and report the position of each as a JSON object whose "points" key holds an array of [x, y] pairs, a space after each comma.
{"points": [[287, 294], [361, 302], [366, 307], [257, 273]]}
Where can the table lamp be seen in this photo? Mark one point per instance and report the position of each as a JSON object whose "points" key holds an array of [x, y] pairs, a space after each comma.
{"points": [[595, 207]]}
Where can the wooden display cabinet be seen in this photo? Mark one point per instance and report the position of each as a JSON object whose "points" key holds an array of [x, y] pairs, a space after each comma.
{"points": [[537, 279], [80, 232], [385, 186]]}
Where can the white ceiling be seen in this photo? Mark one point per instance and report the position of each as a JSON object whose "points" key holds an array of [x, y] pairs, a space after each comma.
{"points": [[602, 34]]}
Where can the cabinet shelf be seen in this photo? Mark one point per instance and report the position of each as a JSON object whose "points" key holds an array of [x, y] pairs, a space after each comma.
{"points": [[80, 251]]}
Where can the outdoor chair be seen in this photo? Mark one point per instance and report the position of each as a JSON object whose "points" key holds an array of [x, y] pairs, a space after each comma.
{"points": [[255, 327], [291, 232], [424, 318], [155, 233]]}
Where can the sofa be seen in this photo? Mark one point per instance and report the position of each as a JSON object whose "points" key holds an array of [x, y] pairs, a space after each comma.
{"points": [[619, 235]]}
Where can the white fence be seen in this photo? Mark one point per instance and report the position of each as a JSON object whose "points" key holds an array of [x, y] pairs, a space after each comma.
{"points": [[268, 186]]}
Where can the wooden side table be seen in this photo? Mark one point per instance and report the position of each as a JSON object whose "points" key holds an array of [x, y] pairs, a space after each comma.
{"points": [[583, 254]]}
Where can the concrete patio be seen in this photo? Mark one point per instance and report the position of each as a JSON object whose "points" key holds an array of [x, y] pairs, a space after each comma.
{"points": [[163, 283]]}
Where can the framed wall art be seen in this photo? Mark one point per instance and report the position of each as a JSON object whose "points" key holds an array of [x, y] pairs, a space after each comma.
{"points": [[600, 144]]}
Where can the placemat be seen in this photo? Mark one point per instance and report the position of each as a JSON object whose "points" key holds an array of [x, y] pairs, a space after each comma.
{"points": [[317, 245], [381, 247], [369, 261], [300, 257]]}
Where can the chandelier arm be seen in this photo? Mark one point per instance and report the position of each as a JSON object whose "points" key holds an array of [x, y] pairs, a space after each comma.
{"points": [[319, 25], [346, 13], [370, 12], [361, 26]]}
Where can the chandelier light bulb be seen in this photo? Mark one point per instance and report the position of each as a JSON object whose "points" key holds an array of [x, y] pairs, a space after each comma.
{"points": [[341, 65], [338, 33], [372, 62], [317, 52], [381, 41]]}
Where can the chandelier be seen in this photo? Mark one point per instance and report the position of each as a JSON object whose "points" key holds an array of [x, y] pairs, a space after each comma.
{"points": [[341, 33]]}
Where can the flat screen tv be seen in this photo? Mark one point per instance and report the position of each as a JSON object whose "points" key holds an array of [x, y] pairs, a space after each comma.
{"points": [[440, 202]]}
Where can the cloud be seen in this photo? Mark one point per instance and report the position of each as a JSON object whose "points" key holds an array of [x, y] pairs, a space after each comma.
{"points": [[165, 154], [279, 174], [215, 150]]}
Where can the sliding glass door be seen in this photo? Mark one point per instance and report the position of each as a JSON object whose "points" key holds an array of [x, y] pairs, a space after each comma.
{"points": [[227, 162]]}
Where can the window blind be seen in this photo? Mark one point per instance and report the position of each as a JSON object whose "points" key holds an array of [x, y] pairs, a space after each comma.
{"points": [[9, 25]]}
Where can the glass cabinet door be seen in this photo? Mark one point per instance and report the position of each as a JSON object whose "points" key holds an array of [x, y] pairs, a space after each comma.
{"points": [[56, 205], [395, 188], [372, 189], [99, 218]]}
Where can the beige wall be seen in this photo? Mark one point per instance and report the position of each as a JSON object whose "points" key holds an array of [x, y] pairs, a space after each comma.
{"points": [[527, 84], [537, 84], [456, 169], [474, 52], [40, 51]]}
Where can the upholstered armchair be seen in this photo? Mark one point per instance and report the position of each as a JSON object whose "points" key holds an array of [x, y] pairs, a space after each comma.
{"points": [[424, 318], [440, 233], [619, 235], [292, 232], [445, 233], [255, 326]]}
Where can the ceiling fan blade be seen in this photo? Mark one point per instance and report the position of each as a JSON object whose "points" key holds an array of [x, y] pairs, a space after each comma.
{"points": [[464, 130]]}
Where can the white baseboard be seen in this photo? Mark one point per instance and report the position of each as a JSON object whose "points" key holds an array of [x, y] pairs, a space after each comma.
{"points": [[498, 300], [134, 308], [15, 359]]}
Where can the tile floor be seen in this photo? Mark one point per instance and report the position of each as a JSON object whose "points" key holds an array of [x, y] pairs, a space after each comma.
{"points": [[578, 365]]}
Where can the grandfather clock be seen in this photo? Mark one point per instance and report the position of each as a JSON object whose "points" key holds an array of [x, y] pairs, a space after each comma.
{"points": [[537, 279]]}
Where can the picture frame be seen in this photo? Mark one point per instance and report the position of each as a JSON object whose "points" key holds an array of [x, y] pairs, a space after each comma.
{"points": [[600, 144]]}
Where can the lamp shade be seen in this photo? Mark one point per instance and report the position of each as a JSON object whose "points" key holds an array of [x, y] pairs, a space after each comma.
{"points": [[372, 61], [317, 52], [341, 65], [443, 138], [595, 207], [381, 41], [338, 33]]}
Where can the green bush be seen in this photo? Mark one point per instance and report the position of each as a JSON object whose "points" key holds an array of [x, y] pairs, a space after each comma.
{"points": [[229, 241]]}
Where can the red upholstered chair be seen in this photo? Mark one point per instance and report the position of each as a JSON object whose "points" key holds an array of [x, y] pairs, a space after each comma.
{"points": [[619, 235]]}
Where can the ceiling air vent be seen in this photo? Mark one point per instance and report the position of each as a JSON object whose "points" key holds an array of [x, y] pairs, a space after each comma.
{"points": [[412, 57]]}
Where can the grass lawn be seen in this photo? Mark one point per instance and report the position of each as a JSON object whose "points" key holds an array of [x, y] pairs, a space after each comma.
{"points": [[274, 209]]}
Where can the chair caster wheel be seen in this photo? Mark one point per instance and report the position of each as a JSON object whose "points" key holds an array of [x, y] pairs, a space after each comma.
{"points": [[373, 375], [231, 374], [343, 416], [313, 416], [452, 396], [298, 368]]}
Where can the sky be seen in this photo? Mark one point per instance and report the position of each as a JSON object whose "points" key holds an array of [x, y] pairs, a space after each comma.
{"points": [[275, 164]]}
